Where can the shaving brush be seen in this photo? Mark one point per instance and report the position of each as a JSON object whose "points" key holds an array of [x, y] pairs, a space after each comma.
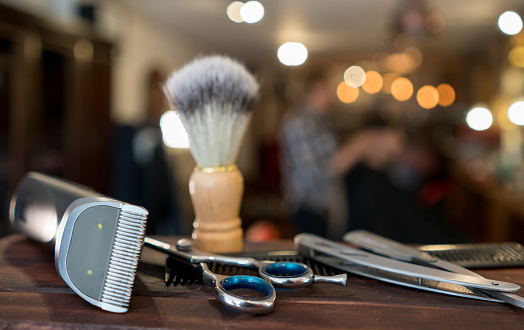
{"points": [[212, 96]]}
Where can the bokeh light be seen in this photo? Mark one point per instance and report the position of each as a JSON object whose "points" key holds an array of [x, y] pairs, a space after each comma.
{"points": [[373, 83], [411, 58], [516, 57], [292, 53], [427, 97], [346, 93], [233, 11], [479, 119], [389, 78], [174, 134], [402, 89], [252, 12], [446, 95], [510, 23], [355, 76], [435, 22], [516, 113]]}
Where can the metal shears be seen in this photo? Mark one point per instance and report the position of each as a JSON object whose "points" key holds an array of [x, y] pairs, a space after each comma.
{"points": [[384, 263], [273, 275], [392, 249]]}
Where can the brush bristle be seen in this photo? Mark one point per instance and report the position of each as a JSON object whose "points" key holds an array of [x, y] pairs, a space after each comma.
{"points": [[213, 96]]}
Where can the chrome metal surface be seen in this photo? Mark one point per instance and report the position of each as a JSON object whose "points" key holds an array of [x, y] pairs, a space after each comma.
{"points": [[390, 248], [312, 246], [273, 274]]}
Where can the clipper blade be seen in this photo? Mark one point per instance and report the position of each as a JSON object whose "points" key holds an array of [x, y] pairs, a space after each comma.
{"points": [[98, 251], [125, 254]]}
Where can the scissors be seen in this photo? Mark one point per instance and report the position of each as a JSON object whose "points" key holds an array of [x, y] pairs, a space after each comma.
{"points": [[273, 275]]}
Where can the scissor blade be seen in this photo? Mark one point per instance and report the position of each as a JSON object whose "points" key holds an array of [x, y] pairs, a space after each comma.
{"points": [[313, 245], [166, 248], [393, 249], [408, 281]]}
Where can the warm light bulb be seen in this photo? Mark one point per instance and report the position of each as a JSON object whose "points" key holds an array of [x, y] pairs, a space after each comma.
{"points": [[233, 11], [402, 89], [252, 12], [373, 83], [355, 76], [446, 95], [510, 23], [347, 94], [292, 53], [479, 119], [516, 57], [516, 113], [173, 132], [427, 97]]}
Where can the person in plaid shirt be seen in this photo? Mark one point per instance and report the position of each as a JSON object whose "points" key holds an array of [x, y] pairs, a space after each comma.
{"points": [[311, 163], [314, 167]]}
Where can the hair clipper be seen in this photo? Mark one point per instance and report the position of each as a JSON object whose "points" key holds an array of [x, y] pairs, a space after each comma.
{"points": [[97, 240]]}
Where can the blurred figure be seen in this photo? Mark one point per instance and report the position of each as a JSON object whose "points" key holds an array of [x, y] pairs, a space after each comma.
{"points": [[330, 189], [141, 174], [378, 205], [312, 165]]}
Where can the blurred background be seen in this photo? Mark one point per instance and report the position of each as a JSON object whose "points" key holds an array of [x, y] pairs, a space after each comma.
{"points": [[80, 99]]}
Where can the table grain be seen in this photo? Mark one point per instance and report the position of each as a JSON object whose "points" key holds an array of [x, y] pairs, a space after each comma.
{"points": [[33, 296]]}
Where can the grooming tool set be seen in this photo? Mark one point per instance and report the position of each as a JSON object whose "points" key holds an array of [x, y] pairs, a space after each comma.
{"points": [[98, 241], [288, 275], [212, 96], [395, 263], [181, 273]]}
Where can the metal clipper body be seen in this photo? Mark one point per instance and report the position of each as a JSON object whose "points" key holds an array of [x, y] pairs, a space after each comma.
{"points": [[97, 240]]}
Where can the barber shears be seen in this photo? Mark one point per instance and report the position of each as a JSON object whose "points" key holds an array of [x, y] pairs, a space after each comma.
{"points": [[389, 261], [273, 275]]}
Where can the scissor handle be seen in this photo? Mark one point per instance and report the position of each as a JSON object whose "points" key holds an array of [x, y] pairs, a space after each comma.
{"points": [[289, 275], [225, 284]]}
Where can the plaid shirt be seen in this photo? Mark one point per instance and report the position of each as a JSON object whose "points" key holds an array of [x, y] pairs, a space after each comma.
{"points": [[307, 146]]}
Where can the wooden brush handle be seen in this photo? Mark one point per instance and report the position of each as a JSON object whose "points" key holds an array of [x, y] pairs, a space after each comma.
{"points": [[216, 194]]}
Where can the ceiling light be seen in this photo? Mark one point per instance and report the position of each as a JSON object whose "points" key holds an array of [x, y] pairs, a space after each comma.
{"points": [[389, 78], [446, 95], [516, 57], [510, 23], [355, 76], [233, 11], [292, 53], [479, 119], [373, 83], [252, 12], [402, 89], [173, 132], [516, 113], [347, 94], [427, 97]]}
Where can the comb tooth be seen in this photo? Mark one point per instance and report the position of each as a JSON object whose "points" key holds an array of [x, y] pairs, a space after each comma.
{"points": [[176, 279], [125, 254]]}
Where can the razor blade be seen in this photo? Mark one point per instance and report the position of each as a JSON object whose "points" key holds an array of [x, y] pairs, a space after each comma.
{"points": [[97, 240]]}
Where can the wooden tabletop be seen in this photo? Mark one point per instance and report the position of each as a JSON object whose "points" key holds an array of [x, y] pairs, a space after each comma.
{"points": [[32, 295]]}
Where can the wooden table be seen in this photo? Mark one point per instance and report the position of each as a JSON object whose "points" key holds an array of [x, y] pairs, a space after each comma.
{"points": [[33, 296]]}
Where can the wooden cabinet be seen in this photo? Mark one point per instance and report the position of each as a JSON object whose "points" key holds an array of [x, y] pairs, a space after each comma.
{"points": [[54, 103]]}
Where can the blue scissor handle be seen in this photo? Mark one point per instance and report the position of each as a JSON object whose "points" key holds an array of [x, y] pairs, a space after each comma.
{"points": [[225, 284], [291, 275]]}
